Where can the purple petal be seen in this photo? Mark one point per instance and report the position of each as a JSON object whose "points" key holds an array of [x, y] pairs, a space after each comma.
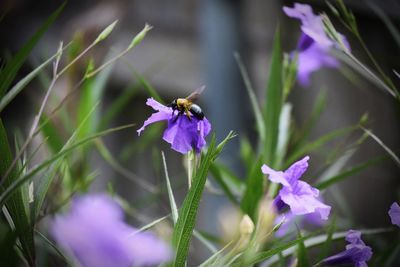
{"points": [[312, 24], [356, 252], [148, 250], [157, 106], [155, 117], [275, 176], [185, 135], [93, 233], [296, 170], [394, 213], [164, 113], [305, 42], [303, 200], [311, 60], [182, 133]]}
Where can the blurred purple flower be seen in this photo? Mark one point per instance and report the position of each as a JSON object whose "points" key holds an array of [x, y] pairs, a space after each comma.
{"points": [[394, 213], [290, 221], [356, 252], [314, 44], [183, 134], [94, 234], [301, 197]]}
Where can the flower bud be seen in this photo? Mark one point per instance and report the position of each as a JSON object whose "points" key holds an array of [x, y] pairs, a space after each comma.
{"points": [[246, 226]]}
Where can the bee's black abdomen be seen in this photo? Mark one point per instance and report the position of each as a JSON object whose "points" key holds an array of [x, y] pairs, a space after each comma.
{"points": [[196, 111]]}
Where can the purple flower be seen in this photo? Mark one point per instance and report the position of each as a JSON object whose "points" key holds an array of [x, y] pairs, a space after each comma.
{"points": [[356, 252], [301, 197], [394, 214], [94, 234], [292, 221], [182, 133], [313, 45]]}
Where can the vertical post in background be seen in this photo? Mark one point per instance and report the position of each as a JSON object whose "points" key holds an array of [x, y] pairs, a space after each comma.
{"points": [[220, 37]]}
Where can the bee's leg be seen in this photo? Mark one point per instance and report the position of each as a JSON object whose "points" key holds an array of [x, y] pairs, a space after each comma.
{"points": [[177, 116], [188, 115]]}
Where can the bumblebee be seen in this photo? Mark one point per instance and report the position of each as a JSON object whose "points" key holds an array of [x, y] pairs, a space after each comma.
{"points": [[186, 105]]}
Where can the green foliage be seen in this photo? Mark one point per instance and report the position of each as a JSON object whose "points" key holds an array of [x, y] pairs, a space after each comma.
{"points": [[12, 67], [273, 102], [17, 208], [68, 140], [188, 212]]}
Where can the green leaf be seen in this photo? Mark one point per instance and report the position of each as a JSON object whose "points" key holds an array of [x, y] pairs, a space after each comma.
{"points": [[356, 169], [46, 180], [325, 248], [18, 87], [314, 145], [13, 187], [309, 241], [118, 105], [48, 129], [385, 147], [91, 93], [318, 108], [253, 99], [10, 70], [302, 258], [254, 190], [284, 133], [273, 102], [188, 212], [274, 251], [112, 161], [172, 203], [247, 154], [216, 173], [388, 23], [19, 211]]}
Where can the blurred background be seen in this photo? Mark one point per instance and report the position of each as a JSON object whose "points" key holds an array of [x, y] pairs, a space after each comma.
{"points": [[192, 44]]}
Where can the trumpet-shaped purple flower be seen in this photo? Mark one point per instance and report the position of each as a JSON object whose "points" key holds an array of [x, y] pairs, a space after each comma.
{"points": [[356, 252], [301, 197], [394, 213], [182, 133], [291, 222], [314, 44], [94, 234]]}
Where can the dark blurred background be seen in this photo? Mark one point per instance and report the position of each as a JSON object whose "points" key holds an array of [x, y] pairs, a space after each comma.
{"points": [[192, 44]]}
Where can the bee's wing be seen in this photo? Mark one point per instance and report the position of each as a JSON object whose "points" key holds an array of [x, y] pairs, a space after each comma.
{"points": [[195, 95]]}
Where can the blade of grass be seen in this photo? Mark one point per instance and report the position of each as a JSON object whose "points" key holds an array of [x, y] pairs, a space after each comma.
{"points": [[273, 102], [314, 145], [350, 172], [172, 203], [91, 93], [118, 104], [110, 159], [151, 224], [253, 99], [188, 212], [254, 190], [382, 144], [18, 87], [302, 257], [216, 173], [309, 241], [15, 205], [10, 70], [10, 190], [46, 180]]}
